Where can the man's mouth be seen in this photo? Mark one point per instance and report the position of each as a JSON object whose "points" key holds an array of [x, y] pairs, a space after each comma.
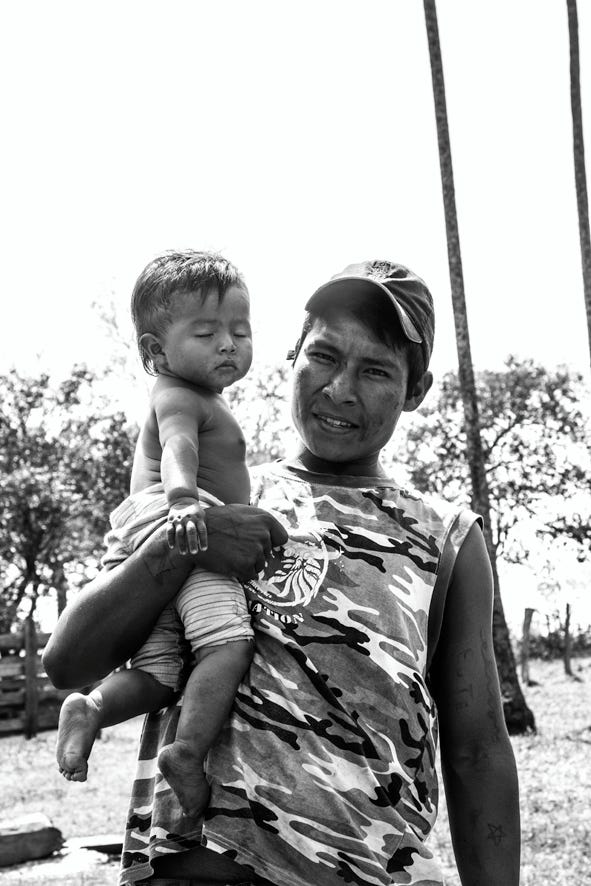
{"points": [[226, 365], [331, 421]]}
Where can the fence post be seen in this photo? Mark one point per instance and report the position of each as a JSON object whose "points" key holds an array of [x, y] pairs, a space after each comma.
{"points": [[31, 720]]}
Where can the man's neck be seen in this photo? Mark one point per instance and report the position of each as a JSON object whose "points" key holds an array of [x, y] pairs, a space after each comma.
{"points": [[307, 461]]}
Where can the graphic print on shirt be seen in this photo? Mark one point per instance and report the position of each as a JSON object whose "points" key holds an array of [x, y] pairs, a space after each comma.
{"points": [[292, 577]]}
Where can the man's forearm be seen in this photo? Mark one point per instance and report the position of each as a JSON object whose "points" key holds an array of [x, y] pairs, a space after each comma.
{"points": [[110, 619], [483, 804]]}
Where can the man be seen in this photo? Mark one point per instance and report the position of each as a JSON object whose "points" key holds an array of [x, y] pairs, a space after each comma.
{"points": [[372, 625]]}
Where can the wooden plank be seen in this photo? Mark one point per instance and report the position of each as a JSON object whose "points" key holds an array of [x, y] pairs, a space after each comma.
{"points": [[13, 724], [11, 667], [10, 683], [11, 641], [15, 698], [48, 717], [16, 639], [50, 693]]}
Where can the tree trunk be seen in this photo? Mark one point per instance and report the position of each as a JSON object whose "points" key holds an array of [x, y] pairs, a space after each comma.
{"points": [[527, 617], [567, 643], [31, 713], [579, 157], [517, 715]]}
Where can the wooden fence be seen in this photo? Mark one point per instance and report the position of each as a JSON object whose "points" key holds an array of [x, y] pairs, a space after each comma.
{"points": [[28, 701]]}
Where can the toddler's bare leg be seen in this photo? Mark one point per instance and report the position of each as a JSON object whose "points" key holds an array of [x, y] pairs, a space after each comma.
{"points": [[119, 697], [207, 702]]}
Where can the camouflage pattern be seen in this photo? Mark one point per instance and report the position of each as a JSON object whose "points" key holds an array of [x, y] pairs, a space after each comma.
{"points": [[326, 772]]}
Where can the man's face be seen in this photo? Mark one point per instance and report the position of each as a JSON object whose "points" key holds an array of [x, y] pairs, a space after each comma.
{"points": [[349, 390]]}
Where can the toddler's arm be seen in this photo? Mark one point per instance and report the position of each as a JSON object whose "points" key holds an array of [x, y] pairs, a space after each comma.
{"points": [[180, 411]]}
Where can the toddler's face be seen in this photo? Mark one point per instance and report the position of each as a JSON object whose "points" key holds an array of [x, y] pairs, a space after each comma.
{"points": [[209, 343]]}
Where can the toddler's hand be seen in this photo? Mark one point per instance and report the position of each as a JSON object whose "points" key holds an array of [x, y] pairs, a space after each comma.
{"points": [[186, 526]]}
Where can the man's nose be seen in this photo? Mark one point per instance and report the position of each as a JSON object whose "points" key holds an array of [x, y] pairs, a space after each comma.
{"points": [[341, 388]]}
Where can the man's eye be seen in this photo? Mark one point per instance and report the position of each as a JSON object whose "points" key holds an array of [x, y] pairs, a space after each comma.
{"points": [[373, 370], [203, 334], [322, 356]]}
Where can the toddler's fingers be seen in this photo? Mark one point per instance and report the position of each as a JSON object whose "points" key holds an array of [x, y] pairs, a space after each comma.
{"points": [[202, 533], [170, 534], [181, 538], [192, 539]]}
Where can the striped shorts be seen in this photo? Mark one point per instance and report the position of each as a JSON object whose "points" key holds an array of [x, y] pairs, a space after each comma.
{"points": [[209, 610]]}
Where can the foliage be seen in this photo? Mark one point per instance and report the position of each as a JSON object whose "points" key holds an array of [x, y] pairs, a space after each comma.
{"points": [[550, 646], [64, 464], [535, 439], [260, 404]]}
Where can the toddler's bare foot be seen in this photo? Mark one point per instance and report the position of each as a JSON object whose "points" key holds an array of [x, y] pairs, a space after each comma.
{"points": [[184, 773], [79, 723]]}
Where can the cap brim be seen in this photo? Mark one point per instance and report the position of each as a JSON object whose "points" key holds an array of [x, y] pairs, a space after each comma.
{"points": [[347, 285]]}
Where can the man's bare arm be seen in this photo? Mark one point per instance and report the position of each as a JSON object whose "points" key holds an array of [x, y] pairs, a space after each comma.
{"points": [[477, 758], [112, 616]]}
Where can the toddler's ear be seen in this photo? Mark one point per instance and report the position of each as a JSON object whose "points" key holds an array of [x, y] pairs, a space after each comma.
{"points": [[150, 344]]}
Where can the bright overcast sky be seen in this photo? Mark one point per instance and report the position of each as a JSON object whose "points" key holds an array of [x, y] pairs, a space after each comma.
{"points": [[294, 138]]}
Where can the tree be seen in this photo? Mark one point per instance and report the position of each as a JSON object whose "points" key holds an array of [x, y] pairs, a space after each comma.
{"points": [[65, 461], [561, 587], [536, 445], [579, 157], [260, 404], [535, 439], [517, 715]]}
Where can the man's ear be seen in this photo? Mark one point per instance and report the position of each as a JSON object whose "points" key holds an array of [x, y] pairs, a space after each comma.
{"points": [[419, 392], [149, 342]]}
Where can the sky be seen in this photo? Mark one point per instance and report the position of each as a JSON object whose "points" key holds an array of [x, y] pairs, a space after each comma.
{"points": [[295, 139]]}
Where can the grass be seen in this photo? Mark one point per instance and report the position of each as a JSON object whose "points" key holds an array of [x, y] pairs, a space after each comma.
{"points": [[554, 769], [555, 782], [30, 781]]}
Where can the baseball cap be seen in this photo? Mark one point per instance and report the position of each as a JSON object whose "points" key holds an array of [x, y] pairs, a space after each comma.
{"points": [[405, 291]]}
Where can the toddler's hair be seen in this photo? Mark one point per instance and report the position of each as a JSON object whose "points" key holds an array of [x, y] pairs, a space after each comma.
{"points": [[170, 274]]}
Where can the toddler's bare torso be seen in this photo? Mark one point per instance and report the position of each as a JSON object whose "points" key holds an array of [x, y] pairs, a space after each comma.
{"points": [[222, 450]]}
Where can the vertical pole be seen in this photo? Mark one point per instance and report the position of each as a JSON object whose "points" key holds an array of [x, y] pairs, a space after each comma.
{"points": [[31, 717], [525, 645], [567, 643], [579, 156]]}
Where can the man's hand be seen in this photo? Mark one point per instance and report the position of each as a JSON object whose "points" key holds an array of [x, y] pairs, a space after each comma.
{"points": [[185, 526], [241, 539]]}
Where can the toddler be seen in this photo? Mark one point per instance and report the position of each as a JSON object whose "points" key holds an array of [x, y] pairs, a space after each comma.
{"points": [[192, 320]]}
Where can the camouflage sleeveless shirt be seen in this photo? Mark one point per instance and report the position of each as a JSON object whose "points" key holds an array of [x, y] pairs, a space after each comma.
{"points": [[325, 773]]}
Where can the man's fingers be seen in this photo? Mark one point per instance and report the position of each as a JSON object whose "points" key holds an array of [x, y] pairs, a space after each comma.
{"points": [[260, 563], [277, 532]]}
